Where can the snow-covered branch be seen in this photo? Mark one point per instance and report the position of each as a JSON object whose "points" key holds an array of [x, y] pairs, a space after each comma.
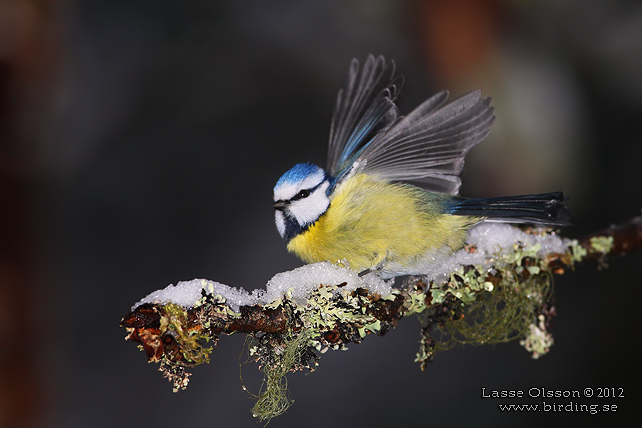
{"points": [[496, 289]]}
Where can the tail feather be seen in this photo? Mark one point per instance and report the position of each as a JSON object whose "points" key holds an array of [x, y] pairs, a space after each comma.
{"points": [[544, 208]]}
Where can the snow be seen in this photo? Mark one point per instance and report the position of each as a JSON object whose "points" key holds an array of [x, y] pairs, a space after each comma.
{"points": [[492, 240], [492, 237], [307, 278], [299, 282], [185, 293]]}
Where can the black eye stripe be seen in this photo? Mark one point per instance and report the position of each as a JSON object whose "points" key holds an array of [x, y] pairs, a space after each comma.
{"points": [[304, 193]]}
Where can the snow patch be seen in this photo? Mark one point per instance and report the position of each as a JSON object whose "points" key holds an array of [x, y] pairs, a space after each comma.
{"points": [[492, 240], [299, 282]]}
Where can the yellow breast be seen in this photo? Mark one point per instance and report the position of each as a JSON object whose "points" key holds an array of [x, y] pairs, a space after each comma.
{"points": [[370, 221]]}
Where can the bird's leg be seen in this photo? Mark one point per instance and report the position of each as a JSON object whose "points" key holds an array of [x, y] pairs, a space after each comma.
{"points": [[378, 267], [364, 272]]}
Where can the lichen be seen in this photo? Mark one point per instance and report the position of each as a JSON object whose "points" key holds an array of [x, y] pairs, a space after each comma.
{"points": [[488, 305], [188, 335], [602, 244], [287, 353], [576, 252], [181, 341], [351, 315], [489, 295], [330, 318], [175, 373], [538, 341], [499, 316], [506, 297]]}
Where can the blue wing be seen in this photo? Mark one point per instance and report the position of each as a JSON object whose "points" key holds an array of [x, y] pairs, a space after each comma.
{"points": [[427, 147], [364, 108]]}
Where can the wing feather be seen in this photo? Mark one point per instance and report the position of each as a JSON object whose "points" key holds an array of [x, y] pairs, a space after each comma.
{"points": [[364, 108], [427, 146]]}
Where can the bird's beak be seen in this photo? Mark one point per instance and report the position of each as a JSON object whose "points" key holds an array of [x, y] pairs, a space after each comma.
{"points": [[280, 205]]}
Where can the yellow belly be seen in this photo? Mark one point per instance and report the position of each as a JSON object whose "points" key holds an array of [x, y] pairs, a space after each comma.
{"points": [[372, 222]]}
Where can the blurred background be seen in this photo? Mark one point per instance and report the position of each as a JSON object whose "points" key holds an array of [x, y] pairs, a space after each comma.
{"points": [[139, 144]]}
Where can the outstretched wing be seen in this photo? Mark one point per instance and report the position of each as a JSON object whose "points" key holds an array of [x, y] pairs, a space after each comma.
{"points": [[429, 145], [364, 109]]}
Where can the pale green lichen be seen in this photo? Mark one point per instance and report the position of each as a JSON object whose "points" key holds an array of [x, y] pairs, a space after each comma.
{"points": [[415, 300], [496, 305], [602, 244], [466, 282], [329, 308], [576, 252], [463, 284], [538, 341], [483, 304], [501, 316]]}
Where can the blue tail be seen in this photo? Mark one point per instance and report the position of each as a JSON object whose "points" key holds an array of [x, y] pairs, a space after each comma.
{"points": [[544, 208]]}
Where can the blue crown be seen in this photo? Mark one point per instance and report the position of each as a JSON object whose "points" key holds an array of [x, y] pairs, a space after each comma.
{"points": [[297, 173]]}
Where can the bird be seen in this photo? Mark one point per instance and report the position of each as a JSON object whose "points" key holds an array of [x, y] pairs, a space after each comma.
{"points": [[387, 201]]}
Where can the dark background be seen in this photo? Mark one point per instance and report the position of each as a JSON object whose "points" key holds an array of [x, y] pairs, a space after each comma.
{"points": [[140, 143]]}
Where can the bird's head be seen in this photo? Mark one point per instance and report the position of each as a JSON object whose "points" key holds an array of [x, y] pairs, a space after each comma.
{"points": [[300, 198]]}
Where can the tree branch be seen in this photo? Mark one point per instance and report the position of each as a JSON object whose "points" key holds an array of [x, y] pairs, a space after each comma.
{"points": [[286, 335]]}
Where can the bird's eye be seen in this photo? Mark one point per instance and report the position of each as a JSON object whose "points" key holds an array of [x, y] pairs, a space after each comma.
{"points": [[303, 193]]}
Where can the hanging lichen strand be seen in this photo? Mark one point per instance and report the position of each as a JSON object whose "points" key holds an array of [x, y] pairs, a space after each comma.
{"points": [[506, 295]]}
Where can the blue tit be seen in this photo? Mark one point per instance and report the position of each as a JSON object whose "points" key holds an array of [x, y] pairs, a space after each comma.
{"points": [[388, 200]]}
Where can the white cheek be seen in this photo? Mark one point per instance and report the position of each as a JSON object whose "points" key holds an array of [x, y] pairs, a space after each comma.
{"points": [[309, 209], [280, 222]]}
